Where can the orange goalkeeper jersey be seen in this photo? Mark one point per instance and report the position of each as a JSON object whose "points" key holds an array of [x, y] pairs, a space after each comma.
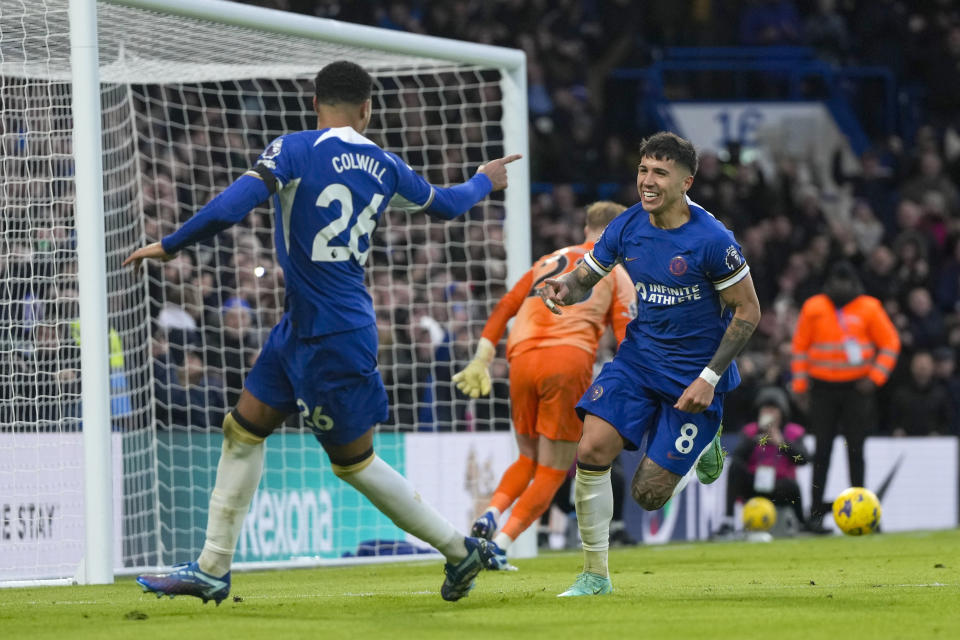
{"points": [[612, 301]]}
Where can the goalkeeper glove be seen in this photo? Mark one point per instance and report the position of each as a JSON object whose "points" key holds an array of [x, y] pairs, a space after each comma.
{"points": [[474, 380]]}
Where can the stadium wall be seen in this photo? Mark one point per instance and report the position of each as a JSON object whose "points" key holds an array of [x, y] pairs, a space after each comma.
{"points": [[42, 504], [915, 479], [303, 512]]}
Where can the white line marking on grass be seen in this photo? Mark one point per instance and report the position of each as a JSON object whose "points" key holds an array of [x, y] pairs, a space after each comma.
{"points": [[368, 594], [364, 594], [53, 602], [848, 585], [372, 594]]}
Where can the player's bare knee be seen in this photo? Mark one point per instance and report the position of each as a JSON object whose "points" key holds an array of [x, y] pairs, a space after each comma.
{"points": [[592, 455]]}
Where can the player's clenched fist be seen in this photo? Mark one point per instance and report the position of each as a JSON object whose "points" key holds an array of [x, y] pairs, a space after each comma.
{"points": [[496, 170], [474, 380], [552, 293]]}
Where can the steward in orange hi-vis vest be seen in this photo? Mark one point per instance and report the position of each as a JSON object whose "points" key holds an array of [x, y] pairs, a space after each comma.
{"points": [[855, 341], [844, 347]]}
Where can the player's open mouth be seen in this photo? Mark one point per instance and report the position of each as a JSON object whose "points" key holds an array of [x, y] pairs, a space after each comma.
{"points": [[650, 195]]}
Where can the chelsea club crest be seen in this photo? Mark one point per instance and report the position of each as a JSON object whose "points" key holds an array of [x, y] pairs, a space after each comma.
{"points": [[678, 266]]}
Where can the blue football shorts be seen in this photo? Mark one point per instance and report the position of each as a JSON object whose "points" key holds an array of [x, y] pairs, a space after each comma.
{"points": [[331, 381], [639, 405]]}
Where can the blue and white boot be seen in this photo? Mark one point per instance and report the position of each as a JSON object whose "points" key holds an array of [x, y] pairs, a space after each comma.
{"points": [[187, 579], [484, 526], [460, 576], [496, 559]]}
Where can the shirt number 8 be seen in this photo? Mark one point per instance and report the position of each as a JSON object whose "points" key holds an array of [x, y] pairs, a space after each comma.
{"points": [[688, 433]]}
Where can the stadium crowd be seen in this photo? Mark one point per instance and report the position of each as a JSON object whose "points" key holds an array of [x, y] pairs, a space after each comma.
{"points": [[897, 218]]}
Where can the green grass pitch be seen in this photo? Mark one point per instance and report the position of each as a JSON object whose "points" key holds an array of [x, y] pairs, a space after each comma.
{"points": [[884, 586]]}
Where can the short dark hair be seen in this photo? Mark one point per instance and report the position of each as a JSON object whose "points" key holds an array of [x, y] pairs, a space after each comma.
{"points": [[343, 82], [845, 271], [669, 146]]}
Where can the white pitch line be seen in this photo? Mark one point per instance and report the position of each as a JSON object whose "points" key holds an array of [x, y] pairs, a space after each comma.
{"points": [[371, 594], [245, 598]]}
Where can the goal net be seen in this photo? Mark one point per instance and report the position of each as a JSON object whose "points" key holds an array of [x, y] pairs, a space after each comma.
{"points": [[188, 102]]}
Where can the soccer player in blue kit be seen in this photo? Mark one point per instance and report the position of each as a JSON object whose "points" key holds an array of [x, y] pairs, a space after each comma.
{"points": [[330, 187], [697, 308]]}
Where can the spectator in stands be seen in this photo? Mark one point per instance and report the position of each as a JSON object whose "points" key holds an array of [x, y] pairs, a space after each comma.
{"points": [[437, 407], [233, 346], [925, 328], [867, 230], [826, 31], [921, 406], [187, 396], [180, 303], [770, 22], [765, 459], [876, 183], [844, 348], [50, 377], [945, 373], [947, 291], [944, 74], [931, 177], [913, 263], [879, 273]]}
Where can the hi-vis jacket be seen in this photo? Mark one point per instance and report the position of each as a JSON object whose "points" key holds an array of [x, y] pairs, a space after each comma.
{"points": [[840, 345]]}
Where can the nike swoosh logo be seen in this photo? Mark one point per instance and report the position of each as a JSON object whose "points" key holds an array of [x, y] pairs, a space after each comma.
{"points": [[673, 456], [631, 259]]}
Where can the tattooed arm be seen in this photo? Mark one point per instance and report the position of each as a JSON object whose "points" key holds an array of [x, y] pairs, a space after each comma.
{"points": [[570, 288], [742, 298]]}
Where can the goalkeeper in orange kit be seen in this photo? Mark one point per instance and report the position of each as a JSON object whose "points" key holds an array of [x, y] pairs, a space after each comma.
{"points": [[551, 365]]}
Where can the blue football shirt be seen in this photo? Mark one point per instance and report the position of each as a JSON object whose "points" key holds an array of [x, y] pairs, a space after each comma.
{"points": [[330, 188], [333, 186], [678, 274]]}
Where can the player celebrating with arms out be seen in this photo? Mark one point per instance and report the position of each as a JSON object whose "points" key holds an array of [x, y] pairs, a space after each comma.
{"points": [[551, 364], [697, 308], [330, 187]]}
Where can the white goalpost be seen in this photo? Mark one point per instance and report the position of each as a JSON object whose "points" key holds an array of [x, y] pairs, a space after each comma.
{"points": [[120, 119]]}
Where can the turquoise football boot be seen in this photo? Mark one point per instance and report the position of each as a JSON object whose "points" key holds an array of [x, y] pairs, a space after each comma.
{"points": [[589, 584]]}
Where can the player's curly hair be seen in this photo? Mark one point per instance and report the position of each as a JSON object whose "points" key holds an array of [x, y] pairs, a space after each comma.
{"points": [[666, 145], [343, 82]]}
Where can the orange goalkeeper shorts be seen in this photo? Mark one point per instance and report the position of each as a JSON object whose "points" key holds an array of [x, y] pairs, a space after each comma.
{"points": [[545, 386]]}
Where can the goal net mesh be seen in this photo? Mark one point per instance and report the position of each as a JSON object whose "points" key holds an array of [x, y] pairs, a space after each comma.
{"points": [[187, 106]]}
